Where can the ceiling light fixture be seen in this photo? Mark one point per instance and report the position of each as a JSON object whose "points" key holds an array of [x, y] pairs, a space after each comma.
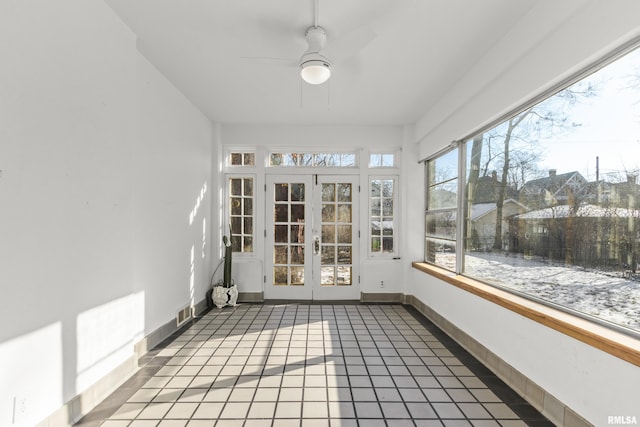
{"points": [[315, 68]]}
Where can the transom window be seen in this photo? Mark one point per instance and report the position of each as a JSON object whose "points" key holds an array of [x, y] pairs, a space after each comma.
{"points": [[238, 158], [289, 159], [546, 203], [382, 160]]}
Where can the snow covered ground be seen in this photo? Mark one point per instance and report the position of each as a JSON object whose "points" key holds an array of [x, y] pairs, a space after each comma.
{"points": [[603, 294]]}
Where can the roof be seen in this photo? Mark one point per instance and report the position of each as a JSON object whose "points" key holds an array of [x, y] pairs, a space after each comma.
{"points": [[555, 183], [583, 211], [478, 210]]}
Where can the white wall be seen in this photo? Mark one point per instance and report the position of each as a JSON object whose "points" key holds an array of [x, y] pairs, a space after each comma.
{"points": [[102, 163], [591, 382]]}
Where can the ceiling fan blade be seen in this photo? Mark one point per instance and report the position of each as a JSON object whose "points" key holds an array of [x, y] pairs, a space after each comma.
{"points": [[269, 59], [343, 48]]}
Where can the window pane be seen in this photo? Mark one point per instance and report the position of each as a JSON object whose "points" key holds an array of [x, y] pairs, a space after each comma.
{"points": [[441, 253], [446, 166], [236, 159], [276, 159], [312, 159], [236, 187], [347, 160], [248, 244], [441, 224], [249, 159], [382, 213], [553, 200], [443, 196], [248, 207], [241, 213], [248, 187], [242, 159]]}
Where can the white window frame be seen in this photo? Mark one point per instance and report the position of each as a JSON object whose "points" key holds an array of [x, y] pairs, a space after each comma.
{"points": [[271, 152], [393, 153], [230, 151], [227, 211], [396, 217]]}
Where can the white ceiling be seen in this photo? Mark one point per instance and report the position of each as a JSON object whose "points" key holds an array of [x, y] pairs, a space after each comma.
{"points": [[237, 59]]}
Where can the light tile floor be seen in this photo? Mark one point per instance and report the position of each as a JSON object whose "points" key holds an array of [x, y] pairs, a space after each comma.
{"points": [[302, 365]]}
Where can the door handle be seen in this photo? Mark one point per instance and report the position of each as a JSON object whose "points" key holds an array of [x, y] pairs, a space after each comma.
{"points": [[316, 245]]}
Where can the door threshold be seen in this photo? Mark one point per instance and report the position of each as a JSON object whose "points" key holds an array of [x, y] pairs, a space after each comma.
{"points": [[312, 302]]}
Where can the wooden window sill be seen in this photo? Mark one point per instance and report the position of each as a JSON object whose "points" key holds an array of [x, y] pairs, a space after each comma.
{"points": [[615, 343]]}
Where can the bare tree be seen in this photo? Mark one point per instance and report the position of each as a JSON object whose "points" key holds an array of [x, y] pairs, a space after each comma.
{"points": [[520, 133]]}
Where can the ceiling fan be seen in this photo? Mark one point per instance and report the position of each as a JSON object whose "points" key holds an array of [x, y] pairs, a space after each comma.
{"points": [[316, 63], [315, 67]]}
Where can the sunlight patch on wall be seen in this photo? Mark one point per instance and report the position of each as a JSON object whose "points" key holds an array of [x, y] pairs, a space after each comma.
{"points": [[105, 337], [199, 200]]}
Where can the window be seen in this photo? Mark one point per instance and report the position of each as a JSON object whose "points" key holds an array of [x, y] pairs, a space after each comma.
{"points": [[551, 200], [442, 206], [386, 160], [382, 216], [241, 213], [313, 160], [242, 158]]}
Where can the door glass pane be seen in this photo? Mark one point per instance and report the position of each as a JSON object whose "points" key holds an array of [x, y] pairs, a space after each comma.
{"points": [[280, 234], [344, 234], [344, 275], [344, 192], [297, 276], [297, 192], [328, 255], [328, 234], [288, 237], [279, 275], [297, 254], [344, 213], [344, 254], [280, 254], [297, 213], [328, 212], [281, 213], [282, 192], [297, 234], [328, 192], [327, 276]]}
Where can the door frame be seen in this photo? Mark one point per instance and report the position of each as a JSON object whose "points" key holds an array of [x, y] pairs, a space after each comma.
{"points": [[312, 290]]}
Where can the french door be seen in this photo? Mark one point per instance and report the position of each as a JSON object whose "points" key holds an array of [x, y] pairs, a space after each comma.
{"points": [[312, 237]]}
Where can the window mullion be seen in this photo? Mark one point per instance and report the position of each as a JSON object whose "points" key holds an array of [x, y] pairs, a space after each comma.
{"points": [[460, 217]]}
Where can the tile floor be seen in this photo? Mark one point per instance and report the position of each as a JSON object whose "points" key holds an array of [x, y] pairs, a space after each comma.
{"points": [[302, 365]]}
